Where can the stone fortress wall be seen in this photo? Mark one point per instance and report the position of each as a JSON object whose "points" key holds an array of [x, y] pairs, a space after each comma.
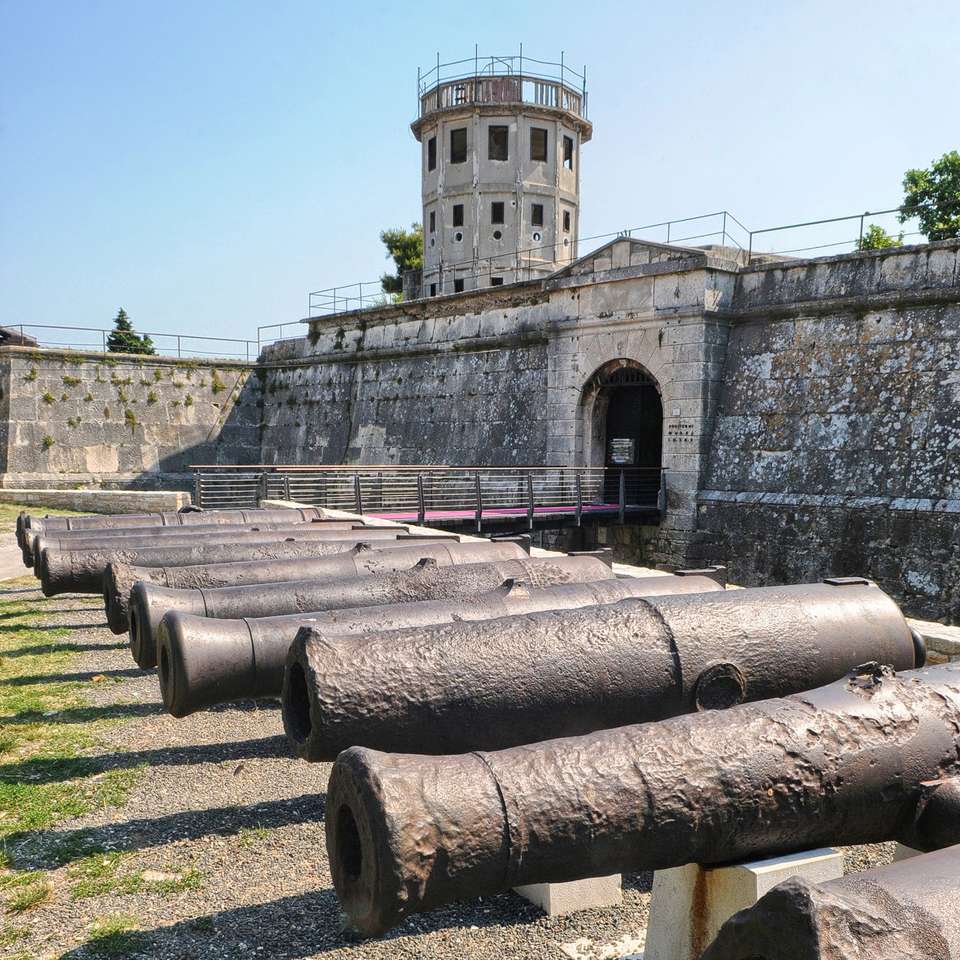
{"points": [[69, 418], [837, 438]]}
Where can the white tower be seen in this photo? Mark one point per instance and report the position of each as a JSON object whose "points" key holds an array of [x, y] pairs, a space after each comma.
{"points": [[501, 140]]}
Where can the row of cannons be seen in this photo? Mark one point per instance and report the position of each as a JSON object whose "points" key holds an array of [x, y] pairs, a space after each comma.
{"points": [[497, 720]]}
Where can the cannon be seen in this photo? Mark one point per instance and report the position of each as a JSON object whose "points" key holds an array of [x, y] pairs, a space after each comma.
{"points": [[909, 909], [843, 764], [487, 685], [362, 560], [427, 580], [48, 553], [84, 539], [203, 661], [186, 516], [81, 571]]}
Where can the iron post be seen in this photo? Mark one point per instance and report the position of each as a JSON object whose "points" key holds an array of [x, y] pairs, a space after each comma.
{"points": [[479, 495]]}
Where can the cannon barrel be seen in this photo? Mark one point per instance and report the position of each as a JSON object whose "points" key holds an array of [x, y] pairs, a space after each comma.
{"points": [[390, 555], [81, 571], [493, 684], [184, 537], [203, 661], [80, 539], [905, 909], [150, 602], [185, 517], [840, 764]]}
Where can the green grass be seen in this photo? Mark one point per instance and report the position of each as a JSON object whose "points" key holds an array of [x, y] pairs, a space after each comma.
{"points": [[100, 874], [26, 896], [251, 836], [10, 935], [44, 776], [47, 777], [115, 936]]}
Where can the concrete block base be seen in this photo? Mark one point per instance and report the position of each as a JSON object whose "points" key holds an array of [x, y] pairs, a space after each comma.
{"points": [[99, 501], [689, 904], [902, 852], [557, 899]]}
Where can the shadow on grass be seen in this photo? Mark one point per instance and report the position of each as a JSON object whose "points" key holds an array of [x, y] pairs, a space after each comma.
{"points": [[111, 711], [69, 647], [47, 849], [39, 770], [11, 614], [27, 681]]}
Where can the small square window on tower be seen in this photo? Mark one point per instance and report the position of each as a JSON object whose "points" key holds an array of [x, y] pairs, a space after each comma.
{"points": [[458, 145], [538, 144], [496, 281], [497, 141], [536, 214], [458, 285], [432, 153], [496, 211], [566, 221], [458, 214], [567, 152], [433, 221]]}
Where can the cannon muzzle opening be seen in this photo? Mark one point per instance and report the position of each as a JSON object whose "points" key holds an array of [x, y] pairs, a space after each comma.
{"points": [[360, 838], [147, 606], [296, 715], [193, 674]]}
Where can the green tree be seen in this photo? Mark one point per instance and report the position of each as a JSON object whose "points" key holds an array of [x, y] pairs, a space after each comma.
{"points": [[933, 197], [406, 248], [876, 238], [124, 340]]}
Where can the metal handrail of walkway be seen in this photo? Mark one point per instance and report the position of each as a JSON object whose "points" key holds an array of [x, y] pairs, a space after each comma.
{"points": [[445, 496]]}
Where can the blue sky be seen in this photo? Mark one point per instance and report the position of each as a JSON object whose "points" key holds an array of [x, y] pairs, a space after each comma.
{"points": [[206, 164]]}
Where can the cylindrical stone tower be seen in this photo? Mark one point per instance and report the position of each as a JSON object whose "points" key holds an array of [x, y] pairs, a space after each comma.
{"points": [[501, 140]]}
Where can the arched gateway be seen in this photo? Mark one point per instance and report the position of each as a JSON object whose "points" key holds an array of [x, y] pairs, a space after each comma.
{"points": [[623, 423]]}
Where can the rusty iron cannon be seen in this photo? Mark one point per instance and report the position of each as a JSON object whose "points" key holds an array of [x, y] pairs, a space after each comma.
{"points": [[390, 555], [203, 662], [186, 536], [427, 580], [848, 763], [909, 909], [186, 516], [487, 685], [84, 539], [81, 571]]}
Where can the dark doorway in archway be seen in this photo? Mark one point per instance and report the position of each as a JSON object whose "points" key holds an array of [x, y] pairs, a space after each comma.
{"points": [[634, 424], [629, 418]]}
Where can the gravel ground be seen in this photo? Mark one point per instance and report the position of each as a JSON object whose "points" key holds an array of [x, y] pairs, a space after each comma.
{"points": [[218, 794]]}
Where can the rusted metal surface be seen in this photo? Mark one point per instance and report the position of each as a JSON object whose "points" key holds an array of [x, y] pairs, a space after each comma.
{"points": [[428, 580], [78, 539], [81, 571], [205, 661], [45, 547], [908, 910], [482, 686], [361, 561], [175, 518], [843, 764]]}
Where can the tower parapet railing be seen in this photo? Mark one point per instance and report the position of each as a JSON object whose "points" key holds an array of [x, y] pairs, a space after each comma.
{"points": [[502, 80]]}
